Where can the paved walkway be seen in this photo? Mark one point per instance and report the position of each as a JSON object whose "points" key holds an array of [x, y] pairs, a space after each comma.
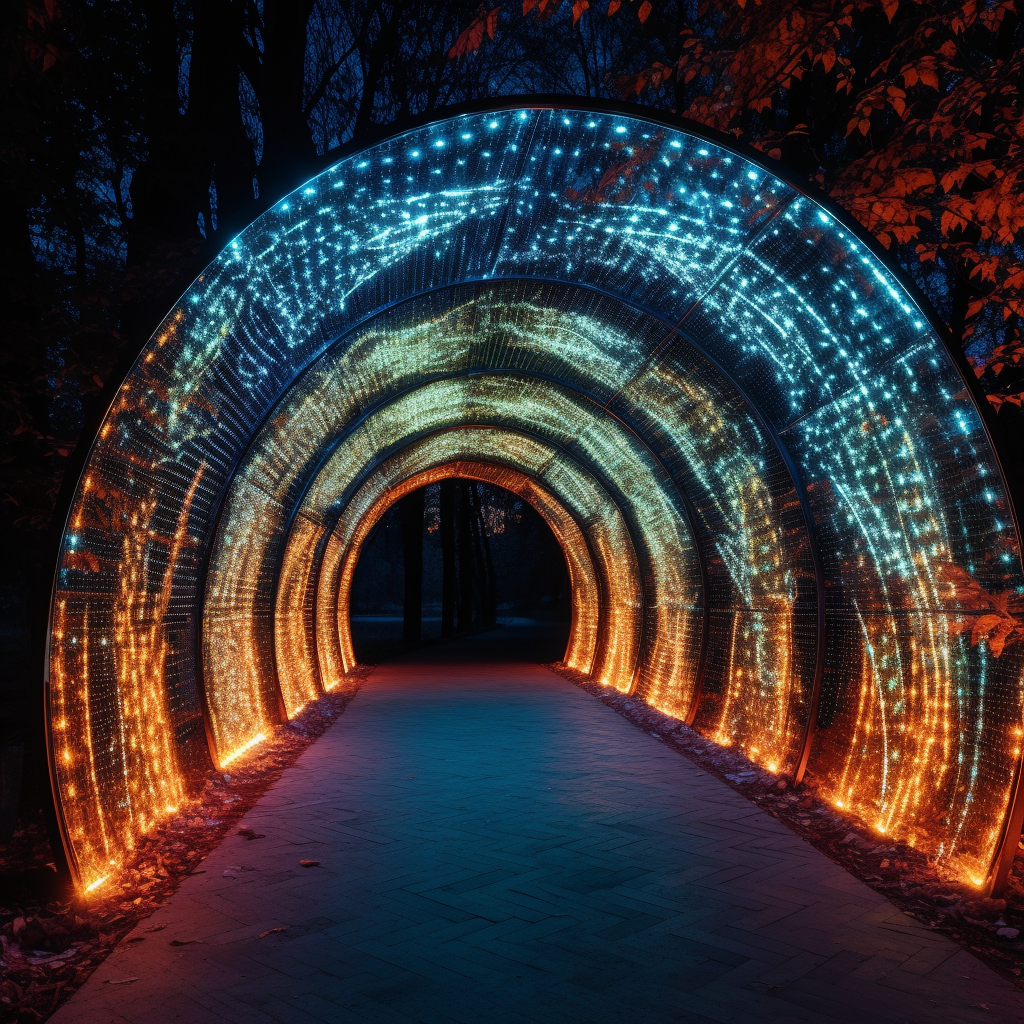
{"points": [[497, 846]]}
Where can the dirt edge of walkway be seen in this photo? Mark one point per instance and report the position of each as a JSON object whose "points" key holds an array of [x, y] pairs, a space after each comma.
{"points": [[51, 943]]}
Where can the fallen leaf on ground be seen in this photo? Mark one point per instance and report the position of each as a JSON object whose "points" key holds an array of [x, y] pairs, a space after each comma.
{"points": [[310, 863], [273, 931], [119, 981], [33, 982]]}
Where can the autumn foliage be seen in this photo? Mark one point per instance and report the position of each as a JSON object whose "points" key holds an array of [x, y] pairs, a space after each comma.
{"points": [[907, 113], [471, 38]]}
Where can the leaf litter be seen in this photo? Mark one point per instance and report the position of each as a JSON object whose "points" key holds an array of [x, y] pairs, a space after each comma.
{"points": [[52, 938]]}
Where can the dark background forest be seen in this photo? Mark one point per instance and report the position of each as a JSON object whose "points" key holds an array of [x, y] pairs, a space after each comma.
{"points": [[137, 137], [457, 557]]}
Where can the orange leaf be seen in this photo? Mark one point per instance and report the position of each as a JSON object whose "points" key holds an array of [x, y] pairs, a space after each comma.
{"points": [[984, 625], [951, 222], [645, 10], [986, 268], [997, 641], [613, 6], [890, 7], [578, 8], [471, 38]]}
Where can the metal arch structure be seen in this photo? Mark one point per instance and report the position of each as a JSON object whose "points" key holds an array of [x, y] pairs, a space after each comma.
{"points": [[792, 509]]}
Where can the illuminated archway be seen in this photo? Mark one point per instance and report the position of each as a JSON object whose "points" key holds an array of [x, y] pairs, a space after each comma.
{"points": [[586, 585], [778, 501]]}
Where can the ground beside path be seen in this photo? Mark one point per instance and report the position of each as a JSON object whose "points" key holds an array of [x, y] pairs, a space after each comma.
{"points": [[495, 845]]}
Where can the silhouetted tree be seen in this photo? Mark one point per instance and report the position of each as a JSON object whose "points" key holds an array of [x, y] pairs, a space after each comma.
{"points": [[448, 570], [412, 558]]}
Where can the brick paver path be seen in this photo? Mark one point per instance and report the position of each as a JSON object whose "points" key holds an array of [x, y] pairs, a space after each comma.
{"points": [[497, 846]]}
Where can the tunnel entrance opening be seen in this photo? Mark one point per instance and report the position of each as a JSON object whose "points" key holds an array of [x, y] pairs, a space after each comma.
{"points": [[456, 557]]}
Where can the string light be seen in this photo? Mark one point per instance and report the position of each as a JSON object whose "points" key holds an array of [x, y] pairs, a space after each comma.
{"points": [[651, 362]]}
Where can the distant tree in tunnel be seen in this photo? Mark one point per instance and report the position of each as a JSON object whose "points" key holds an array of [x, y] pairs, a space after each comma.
{"points": [[412, 555], [448, 583], [484, 561], [465, 557]]}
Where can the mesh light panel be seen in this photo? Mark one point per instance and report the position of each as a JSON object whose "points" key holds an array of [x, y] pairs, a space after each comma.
{"points": [[780, 510]]}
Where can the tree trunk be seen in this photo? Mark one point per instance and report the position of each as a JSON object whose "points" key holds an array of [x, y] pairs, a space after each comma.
{"points": [[288, 151], [213, 122], [465, 538], [682, 23], [380, 50], [482, 544], [448, 585], [412, 550], [961, 300], [163, 240]]}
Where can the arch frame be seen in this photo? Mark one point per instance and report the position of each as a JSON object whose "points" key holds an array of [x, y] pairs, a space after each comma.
{"points": [[79, 459]]}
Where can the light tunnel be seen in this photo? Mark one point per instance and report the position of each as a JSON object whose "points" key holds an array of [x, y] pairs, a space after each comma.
{"points": [[782, 516]]}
